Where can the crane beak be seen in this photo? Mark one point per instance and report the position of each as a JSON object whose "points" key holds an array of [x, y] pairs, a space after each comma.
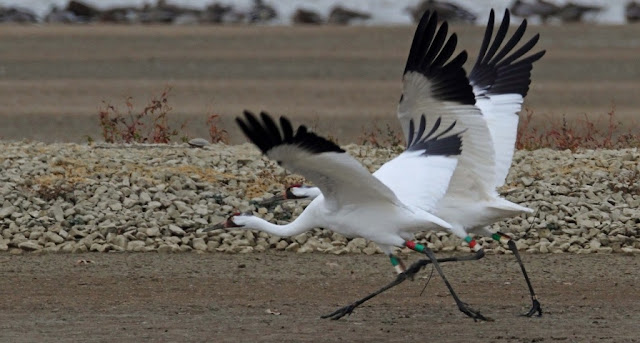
{"points": [[228, 223], [218, 226], [274, 199]]}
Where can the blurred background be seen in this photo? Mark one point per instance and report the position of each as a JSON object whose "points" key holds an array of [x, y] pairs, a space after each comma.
{"points": [[334, 65]]}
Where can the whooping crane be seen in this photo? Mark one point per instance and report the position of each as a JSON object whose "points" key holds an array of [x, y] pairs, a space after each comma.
{"points": [[486, 104], [382, 208]]}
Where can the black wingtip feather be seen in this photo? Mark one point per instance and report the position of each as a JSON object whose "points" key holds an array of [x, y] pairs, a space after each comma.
{"points": [[266, 134], [436, 145], [428, 55], [498, 70]]}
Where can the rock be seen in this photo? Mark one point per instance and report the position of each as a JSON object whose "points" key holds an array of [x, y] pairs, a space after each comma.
{"points": [[153, 232], [357, 244], [292, 247], [144, 198], [56, 210], [301, 238], [282, 245], [7, 211], [176, 230], [153, 205], [29, 246], [120, 241], [198, 142], [136, 246], [527, 181], [53, 237], [199, 244]]}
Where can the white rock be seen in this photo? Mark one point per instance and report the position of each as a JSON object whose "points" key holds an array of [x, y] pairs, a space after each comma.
{"points": [[29, 246], [176, 230], [53, 237]]}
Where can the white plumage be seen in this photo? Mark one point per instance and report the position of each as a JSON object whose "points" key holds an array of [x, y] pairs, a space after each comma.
{"points": [[486, 105], [353, 202], [383, 208]]}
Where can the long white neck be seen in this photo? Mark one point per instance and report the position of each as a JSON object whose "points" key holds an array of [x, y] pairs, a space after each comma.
{"points": [[296, 227]]}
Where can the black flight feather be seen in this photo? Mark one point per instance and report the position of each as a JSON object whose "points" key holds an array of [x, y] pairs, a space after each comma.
{"points": [[428, 56], [435, 145], [266, 134], [497, 70]]}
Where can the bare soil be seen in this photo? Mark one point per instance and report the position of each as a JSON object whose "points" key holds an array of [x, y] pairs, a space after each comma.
{"points": [[220, 297], [53, 79]]}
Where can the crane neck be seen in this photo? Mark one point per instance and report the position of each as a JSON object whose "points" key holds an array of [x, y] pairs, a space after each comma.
{"points": [[296, 227]]}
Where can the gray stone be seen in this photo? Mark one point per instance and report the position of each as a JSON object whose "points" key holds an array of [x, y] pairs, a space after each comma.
{"points": [[136, 246], [199, 244], [176, 230], [198, 142], [144, 197], [7, 211], [57, 212], [120, 241], [29, 245], [53, 237], [153, 232]]}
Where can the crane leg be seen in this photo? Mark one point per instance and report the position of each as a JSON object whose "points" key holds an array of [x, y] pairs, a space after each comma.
{"points": [[462, 306], [408, 273], [535, 307]]}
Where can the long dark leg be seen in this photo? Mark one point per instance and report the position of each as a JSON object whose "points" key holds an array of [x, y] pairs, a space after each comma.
{"points": [[402, 276], [463, 307], [410, 272], [535, 307]]}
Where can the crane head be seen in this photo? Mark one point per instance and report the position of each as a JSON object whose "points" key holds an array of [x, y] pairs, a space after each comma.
{"points": [[292, 192], [228, 223]]}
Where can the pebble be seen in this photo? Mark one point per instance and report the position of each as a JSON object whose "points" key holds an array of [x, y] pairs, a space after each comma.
{"points": [[586, 202]]}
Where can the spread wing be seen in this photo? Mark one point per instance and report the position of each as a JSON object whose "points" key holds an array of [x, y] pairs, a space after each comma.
{"points": [[436, 86], [420, 175], [500, 81], [341, 179]]}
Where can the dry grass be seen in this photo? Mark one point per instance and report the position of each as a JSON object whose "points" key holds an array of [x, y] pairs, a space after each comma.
{"points": [[376, 136], [150, 125], [603, 132], [216, 133], [543, 131]]}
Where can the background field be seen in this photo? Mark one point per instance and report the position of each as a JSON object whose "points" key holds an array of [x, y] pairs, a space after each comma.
{"points": [[53, 79]]}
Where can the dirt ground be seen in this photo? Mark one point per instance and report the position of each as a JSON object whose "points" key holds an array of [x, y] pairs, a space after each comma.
{"points": [[54, 79], [221, 297]]}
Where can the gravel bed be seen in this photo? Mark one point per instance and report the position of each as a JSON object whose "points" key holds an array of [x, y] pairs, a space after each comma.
{"points": [[78, 198]]}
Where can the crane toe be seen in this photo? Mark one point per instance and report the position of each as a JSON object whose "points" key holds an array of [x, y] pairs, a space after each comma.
{"points": [[476, 315], [534, 308], [341, 312]]}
